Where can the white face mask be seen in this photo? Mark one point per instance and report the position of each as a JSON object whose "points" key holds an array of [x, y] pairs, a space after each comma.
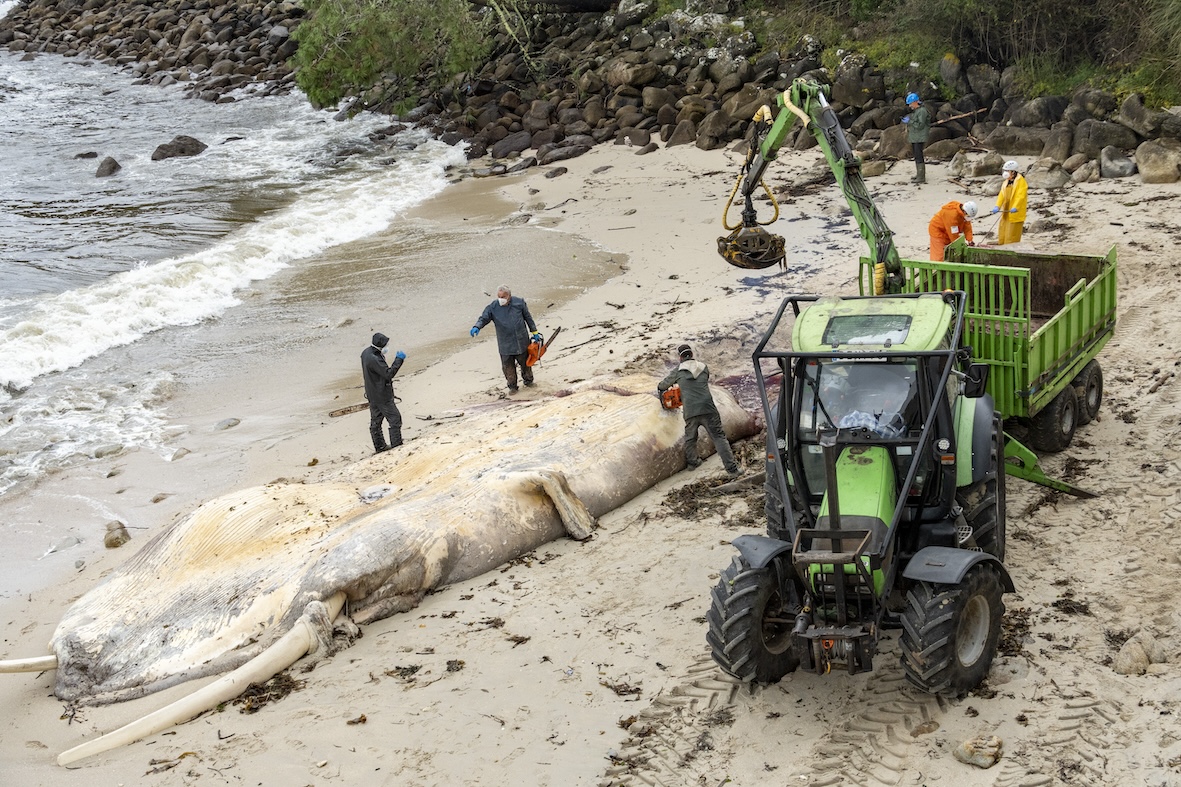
{"points": [[502, 301]]}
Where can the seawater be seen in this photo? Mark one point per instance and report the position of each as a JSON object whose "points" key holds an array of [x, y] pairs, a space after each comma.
{"points": [[91, 264]]}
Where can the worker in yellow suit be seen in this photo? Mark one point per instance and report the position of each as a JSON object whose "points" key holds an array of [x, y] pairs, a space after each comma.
{"points": [[953, 220], [1010, 203]]}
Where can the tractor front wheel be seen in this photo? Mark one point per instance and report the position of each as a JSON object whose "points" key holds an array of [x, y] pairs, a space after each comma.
{"points": [[950, 632], [1053, 427], [751, 618]]}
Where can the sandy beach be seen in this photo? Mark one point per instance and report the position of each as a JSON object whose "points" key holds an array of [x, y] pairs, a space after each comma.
{"points": [[585, 663]]}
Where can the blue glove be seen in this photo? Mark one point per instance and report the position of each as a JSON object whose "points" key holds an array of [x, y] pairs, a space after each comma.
{"points": [[536, 336], [994, 210], [401, 356], [474, 331], [906, 119], [1012, 210]]}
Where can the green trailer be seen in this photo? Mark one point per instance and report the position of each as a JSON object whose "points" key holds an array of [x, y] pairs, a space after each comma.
{"points": [[1037, 320]]}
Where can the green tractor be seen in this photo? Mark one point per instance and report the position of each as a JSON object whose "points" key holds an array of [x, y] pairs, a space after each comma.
{"points": [[886, 450], [885, 499]]}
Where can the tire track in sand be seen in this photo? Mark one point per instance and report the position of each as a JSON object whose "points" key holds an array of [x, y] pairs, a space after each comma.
{"points": [[666, 738], [1078, 744], [873, 745]]}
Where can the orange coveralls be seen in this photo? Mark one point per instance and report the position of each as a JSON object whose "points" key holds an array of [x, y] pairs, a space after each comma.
{"points": [[947, 225]]}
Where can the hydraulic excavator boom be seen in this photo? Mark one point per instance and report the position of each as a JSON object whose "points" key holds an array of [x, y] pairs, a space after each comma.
{"points": [[749, 245]]}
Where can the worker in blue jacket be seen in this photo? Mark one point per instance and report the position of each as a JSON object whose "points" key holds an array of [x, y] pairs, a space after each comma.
{"points": [[514, 330]]}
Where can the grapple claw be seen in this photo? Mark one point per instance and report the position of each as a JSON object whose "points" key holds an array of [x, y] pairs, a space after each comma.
{"points": [[752, 248]]}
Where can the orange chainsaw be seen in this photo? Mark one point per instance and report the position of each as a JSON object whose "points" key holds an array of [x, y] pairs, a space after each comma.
{"points": [[670, 398], [537, 348]]}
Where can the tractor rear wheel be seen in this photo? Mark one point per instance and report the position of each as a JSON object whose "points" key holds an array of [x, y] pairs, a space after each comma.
{"points": [[1053, 427], [751, 618], [984, 503], [1088, 386], [950, 632]]}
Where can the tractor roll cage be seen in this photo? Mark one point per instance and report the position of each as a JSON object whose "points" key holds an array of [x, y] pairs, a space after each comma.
{"points": [[782, 448]]}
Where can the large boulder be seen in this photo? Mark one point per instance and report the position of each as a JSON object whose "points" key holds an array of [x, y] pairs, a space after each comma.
{"points": [[1086, 173], [1046, 174], [1042, 112], [713, 131], [951, 71], [985, 82], [620, 72], [654, 98], [1091, 136], [179, 146], [107, 167], [1144, 121], [694, 108], [944, 149], [1159, 161], [1074, 162], [1017, 141], [964, 165], [538, 117], [1097, 104], [746, 102], [684, 134], [1058, 143], [1114, 164], [513, 143], [856, 83], [562, 153]]}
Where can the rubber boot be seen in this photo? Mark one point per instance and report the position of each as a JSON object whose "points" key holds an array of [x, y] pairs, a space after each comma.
{"points": [[920, 170]]}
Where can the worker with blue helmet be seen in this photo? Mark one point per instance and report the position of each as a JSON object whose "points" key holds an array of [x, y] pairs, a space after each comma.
{"points": [[918, 128]]}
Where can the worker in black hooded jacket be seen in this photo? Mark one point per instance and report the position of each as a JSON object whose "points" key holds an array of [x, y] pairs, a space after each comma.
{"points": [[699, 409], [379, 390]]}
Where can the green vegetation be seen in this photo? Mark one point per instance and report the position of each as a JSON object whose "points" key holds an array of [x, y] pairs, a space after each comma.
{"points": [[1124, 46], [346, 46]]}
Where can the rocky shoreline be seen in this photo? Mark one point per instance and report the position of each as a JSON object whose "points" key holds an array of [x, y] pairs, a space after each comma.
{"points": [[631, 78]]}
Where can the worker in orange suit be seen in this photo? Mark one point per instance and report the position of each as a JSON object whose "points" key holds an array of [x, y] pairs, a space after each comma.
{"points": [[953, 220], [1010, 203]]}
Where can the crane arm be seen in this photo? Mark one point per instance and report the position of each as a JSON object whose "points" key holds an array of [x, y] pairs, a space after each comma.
{"points": [[805, 101]]}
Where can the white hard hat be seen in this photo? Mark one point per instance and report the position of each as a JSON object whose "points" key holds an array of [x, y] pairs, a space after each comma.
{"points": [[970, 209], [1010, 166]]}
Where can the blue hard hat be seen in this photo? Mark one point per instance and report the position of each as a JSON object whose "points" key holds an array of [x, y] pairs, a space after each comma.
{"points": [[912, 97]]}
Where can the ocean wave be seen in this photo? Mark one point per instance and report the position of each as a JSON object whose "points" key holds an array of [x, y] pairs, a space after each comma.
{"points": [[62, 331]]}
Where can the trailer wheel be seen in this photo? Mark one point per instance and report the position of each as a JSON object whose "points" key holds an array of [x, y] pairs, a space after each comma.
{"points": [[1088, 385], [950, 632], [751, 618], [984, 503], [1053, 428]]}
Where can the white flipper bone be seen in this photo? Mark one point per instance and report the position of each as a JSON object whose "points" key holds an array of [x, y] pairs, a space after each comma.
{"points": [[286, 651], [35, 664]]}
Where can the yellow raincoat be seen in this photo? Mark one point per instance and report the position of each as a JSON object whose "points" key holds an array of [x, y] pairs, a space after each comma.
{"points": [[1013, 195]]}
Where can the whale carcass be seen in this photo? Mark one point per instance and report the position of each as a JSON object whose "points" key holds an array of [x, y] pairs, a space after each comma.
{"points": [[251, 581]]}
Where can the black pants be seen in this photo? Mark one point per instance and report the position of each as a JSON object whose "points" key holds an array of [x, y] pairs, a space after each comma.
{"points": [[509, 364], [389, 411]]}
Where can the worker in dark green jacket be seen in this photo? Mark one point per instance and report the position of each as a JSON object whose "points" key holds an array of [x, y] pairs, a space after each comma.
{"points": [[918, 129], [699, 409]]}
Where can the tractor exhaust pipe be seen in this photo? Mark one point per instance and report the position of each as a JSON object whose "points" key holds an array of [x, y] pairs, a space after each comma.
{"points": [[828, 443]]}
